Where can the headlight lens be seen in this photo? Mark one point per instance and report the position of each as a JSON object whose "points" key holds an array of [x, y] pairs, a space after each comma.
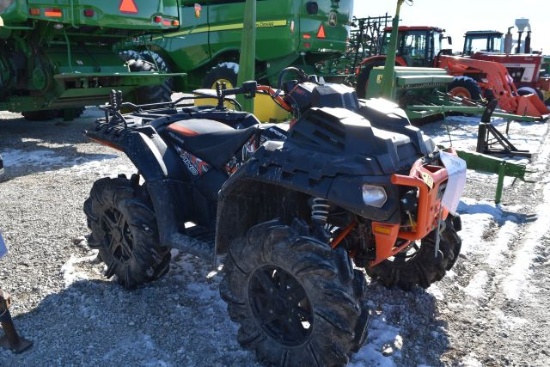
{"points": [[374, 195]]}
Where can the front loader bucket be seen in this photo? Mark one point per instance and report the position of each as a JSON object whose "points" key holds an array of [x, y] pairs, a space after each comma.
{"points": [[531, 105]]}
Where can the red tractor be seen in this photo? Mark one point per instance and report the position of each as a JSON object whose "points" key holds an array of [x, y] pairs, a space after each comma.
{"points": [[475, 79], [528, 69]]}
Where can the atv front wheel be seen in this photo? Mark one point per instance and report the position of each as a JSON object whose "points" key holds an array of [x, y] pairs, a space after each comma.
{"points": [[418, 264], [124, 230], [296, 300]]}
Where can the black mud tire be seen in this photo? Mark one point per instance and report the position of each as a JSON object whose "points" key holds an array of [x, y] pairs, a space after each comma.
{"points": [[363, 79], [124, 230], [296, 300], [419, 266], [465, 87], [226, 72]]}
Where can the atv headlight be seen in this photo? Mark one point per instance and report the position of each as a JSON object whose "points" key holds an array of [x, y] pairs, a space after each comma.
{"points": [[374, 195]]}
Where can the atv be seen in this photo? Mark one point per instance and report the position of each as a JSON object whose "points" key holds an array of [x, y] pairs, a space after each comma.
{"points": [[299, 211]]}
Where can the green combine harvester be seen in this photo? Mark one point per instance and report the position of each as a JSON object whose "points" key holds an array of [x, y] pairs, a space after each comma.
{"points": [[59, 56]]}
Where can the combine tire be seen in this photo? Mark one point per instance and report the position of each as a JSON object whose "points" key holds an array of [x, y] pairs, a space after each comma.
{"points": [[226, 72], [124, 230], [465, 87], [419, 265], [149, 94], [296, 300], [43, 115], [160, 65]]}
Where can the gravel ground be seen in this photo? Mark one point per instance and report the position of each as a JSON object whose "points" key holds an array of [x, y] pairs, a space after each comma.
{"points": [[76, 317]]}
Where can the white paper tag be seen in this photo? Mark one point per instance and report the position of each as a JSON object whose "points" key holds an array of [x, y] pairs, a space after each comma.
{"points": [[456, 169]]}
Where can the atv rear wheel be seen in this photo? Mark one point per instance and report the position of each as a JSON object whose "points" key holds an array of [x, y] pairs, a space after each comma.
{"points": [[226, 72], [124, 230], [296, 300], [418, 265]]}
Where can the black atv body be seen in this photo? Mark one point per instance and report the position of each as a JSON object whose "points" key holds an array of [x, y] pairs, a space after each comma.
{"points": [[295, 209]]}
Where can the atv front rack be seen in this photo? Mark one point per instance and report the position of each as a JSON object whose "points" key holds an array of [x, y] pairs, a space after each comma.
{"points": [[430, 181]]}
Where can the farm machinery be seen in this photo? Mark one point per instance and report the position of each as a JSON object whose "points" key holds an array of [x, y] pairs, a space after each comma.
{"points": [[473, 79], [207, 44], [59, 56], [529, 70]]}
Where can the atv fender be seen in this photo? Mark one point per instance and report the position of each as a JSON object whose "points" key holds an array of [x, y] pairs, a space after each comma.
{"points": [[257, 193], [144, 147]]}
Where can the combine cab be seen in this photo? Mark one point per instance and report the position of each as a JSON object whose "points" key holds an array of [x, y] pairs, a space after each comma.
{"points": [[59, 56]]}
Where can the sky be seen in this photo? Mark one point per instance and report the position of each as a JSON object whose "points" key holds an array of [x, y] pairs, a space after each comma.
{"points": [[457, 17]]}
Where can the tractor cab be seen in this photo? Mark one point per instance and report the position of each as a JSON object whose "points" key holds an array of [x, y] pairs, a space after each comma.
{"points": [[482, 41], [417, 45]]}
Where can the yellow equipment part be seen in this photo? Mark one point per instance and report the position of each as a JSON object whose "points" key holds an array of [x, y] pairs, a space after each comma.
{"points": [[265, 108]]}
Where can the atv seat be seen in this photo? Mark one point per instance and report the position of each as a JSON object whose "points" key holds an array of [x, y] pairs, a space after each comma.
{"points": [[210, 140]]}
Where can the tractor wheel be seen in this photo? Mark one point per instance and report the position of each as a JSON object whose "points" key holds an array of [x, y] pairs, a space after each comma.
{"points": [[418, 265], [525, 91], [124, 230], [363, 79], [465, 87], [296, 300], [226, 72]]}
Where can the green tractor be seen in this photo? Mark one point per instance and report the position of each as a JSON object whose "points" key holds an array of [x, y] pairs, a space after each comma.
{"points": [[59, 56]]}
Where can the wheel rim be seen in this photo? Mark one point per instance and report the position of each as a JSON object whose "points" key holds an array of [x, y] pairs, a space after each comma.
{"points": [[460, 92], [280, 305], [404, 257], [117, 235]]}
